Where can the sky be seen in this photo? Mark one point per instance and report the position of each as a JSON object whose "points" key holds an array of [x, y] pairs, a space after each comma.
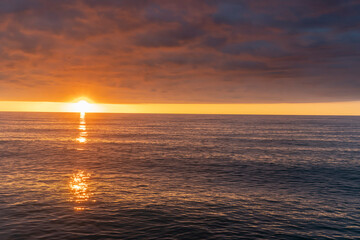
{"points": [[180, 52]]}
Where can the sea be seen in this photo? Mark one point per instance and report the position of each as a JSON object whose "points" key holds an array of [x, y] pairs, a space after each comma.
{"points": [[157, 176]]}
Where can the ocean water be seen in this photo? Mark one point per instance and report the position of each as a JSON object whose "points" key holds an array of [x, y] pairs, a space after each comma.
{"points": [[143, 176]]}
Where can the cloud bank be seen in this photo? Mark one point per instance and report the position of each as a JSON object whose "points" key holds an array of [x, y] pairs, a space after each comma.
{"points": [[123, 51]]}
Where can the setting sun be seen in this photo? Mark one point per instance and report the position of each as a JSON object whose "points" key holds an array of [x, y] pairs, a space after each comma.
{"points": [[83, 106]]}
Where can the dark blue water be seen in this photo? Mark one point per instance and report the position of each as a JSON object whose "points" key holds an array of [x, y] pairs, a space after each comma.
{"points": [[142, 176]]}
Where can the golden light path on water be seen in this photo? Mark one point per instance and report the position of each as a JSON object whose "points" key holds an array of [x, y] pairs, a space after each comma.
{"points": [[82, 128], [79, 181], [80, 189]]}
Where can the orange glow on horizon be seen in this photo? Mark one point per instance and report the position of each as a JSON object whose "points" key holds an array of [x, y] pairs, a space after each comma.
{"points": [[331, 108]]}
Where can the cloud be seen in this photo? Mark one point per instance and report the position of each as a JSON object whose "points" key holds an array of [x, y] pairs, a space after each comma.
{"points": [[173, 36], [254, 48], [185, 51]]}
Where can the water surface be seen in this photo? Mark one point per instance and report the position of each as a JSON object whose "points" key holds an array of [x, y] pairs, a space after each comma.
{"points": [[143, 176]]}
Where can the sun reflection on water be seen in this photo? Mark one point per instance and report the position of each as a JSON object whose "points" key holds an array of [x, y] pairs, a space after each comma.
{"points": [[81, 139], [79, 188], [79, 181], [82, 128]]}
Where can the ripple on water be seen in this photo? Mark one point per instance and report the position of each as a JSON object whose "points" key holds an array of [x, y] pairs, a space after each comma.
{"points": [[179, 177]]}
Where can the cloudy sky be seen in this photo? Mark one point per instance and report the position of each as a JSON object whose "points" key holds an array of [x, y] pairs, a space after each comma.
{"points": [[187, 51]]}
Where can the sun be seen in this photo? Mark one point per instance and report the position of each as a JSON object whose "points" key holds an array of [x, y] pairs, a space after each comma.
{"points": [[83, 106]]}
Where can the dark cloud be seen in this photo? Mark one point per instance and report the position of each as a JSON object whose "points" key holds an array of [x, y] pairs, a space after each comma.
{"points": [[255, 48], [170, 37], [180, 51], [232, 13], [214, 42], [243, 65], [159, 14]]}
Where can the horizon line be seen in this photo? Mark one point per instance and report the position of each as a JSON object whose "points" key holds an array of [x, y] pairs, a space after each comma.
{"points": [[234, 114], [351, 108]]}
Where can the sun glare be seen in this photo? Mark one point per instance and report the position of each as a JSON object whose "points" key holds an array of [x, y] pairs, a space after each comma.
{"points": [[83, 106]]}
